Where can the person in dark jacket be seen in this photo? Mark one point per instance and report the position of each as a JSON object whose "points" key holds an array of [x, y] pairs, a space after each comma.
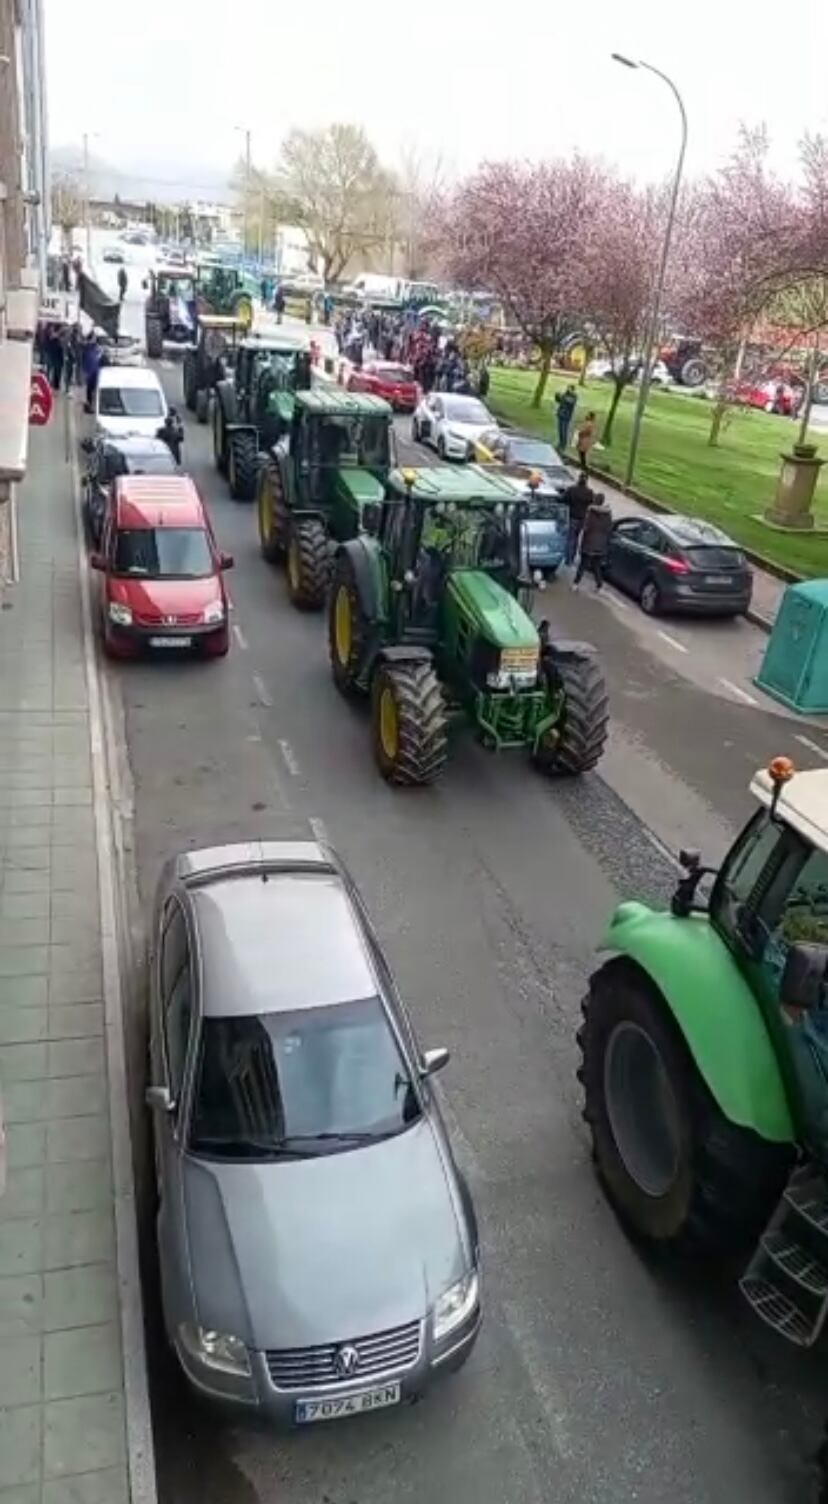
{"points": [[578, 497], [172, 432], [55, 356], [594, 542], [565, 403], [123, 281], [279, 304]]}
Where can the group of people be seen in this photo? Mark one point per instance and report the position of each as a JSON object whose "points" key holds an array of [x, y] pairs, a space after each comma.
{"points": [[69, 357], [435, 358], [590, 522], [586, 432]]}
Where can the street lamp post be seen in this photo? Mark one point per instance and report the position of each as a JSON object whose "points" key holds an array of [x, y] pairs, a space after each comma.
{"points": [[245, 131], [652, 327], [86, 136]]}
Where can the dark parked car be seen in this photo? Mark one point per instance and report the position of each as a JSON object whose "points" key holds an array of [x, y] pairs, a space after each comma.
{"points": [[109, 458], [679, 564], [317, 1243]]}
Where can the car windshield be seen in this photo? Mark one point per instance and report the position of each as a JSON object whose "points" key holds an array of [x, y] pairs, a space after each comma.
{"points": [[533, 452], [310, 1082], [129, 402], [164, 552], [151, 464], [466, 410]]}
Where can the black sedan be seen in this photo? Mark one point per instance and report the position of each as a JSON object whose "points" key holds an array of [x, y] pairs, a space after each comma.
{"points": [[679, 564], [109, 458]]}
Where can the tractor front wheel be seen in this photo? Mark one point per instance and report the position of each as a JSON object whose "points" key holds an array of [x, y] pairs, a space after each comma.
{"points": [[307, 565], [243, 465], [272, 513], [576, 742], [154, 331], [678, 1173], [347, 629], [188, 376], [219, 439], [202, 404], [409, 723]]}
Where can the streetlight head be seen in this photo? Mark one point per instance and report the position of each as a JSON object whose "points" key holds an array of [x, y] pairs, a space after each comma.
{"points": [[618, 57]]}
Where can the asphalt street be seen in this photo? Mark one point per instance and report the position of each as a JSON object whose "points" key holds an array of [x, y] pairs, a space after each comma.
{"points": [[599, 1378]]}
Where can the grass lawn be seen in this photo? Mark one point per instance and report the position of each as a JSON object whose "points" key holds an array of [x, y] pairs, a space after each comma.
{"points": [[727, 485]]}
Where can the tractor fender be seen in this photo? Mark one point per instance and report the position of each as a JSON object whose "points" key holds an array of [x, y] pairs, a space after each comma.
{"points": [[563, 648], [405, 652], [715, 1010], [226, 398], [232, 427], [364, 556]]}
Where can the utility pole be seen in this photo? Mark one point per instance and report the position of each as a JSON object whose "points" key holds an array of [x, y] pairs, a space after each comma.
{"points": [[86, 202], [245, 131], [261, 225]]}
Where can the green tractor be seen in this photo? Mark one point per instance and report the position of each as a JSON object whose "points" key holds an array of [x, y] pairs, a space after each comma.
{"points": [[332, 463], [226, 289], [428, 616], [169, 308], [207, 362], [253, 409], [705, 1060]]}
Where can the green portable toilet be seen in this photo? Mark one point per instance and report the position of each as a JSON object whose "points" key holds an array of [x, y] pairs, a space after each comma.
{"points": [[795, 666]]}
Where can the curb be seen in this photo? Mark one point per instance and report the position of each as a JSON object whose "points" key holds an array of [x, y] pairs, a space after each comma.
{"points": [[139, 1436]]}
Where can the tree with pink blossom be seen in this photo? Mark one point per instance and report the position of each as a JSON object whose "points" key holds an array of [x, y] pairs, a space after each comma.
{"points": [[520, 230]]}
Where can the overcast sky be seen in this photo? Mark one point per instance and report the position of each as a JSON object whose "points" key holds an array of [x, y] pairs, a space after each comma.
{"points": [[157, 80]]}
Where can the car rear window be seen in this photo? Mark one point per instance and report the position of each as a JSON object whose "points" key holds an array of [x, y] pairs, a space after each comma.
{"points": [[308, 1082], [163, 552], [394, 373], [712, 557], [129, 402]]}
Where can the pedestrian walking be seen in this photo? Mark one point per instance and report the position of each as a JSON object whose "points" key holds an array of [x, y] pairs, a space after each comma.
{"points": [[585, 440], [70, 358], [579, 498], [172, 433], [55, 357], [123, 281], [565, 404], [90, 366], [483, 382], [279, 304], [594, 542]]}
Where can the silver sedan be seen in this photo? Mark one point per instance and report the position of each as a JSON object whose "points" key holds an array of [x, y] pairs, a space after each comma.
{"points": [[318, 1245]]}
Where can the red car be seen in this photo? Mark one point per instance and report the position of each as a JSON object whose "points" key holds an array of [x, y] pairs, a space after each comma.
{"points": [[772, 396], [162, 572], [385, 379]]}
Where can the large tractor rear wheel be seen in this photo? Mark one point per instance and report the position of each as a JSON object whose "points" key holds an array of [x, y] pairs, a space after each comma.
{"points": [[409, 723], [242, 465], [576, 743], [272, 513], [202, 404], [347, 629], [154, 336], [189, 379], [678, 1173], [308, 570]]}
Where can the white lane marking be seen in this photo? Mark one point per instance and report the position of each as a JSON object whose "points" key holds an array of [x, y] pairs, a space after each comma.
{"points": [[672, 642], [812, 746], [609, 595], [319, 829], [741, 694], [290, 759], [240, 637], [262, 691]]}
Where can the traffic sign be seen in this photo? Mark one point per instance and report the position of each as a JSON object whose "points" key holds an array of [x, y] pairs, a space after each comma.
{"points": [[41, 400]]}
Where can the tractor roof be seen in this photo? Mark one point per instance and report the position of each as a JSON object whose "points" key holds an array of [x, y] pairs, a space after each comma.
{"points": [[176, 273], [274, 344], [457, 483], [220, 321], [334, 402], [803, 803]]}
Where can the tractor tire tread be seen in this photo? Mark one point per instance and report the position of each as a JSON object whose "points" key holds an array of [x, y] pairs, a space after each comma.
{"points": [[245, 465], [735, 1177], [154, 335], [344, 677], [314, 571], [585, 718], [423, 734], [188, 378], [202, 405]]}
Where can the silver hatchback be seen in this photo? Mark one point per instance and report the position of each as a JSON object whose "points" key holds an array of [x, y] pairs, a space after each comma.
{"points": [[317, 1243]]}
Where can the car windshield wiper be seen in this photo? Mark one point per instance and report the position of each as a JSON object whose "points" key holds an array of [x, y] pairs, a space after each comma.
{"points": [[271, 1147], [356, 1137]]}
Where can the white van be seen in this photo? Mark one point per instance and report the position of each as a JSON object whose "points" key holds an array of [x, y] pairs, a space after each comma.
{"points": [[371, 285], [129, 401]]}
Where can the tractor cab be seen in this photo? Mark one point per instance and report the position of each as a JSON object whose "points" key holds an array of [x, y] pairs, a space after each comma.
{"points": [[253, 411], [208, 360], [226, 289]]}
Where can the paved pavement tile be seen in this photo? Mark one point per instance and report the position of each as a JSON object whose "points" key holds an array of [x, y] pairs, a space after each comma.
{"points": [[86, 1296], [83, 1434]]}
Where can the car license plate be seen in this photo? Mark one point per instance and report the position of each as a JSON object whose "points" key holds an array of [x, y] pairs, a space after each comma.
{"points": [[347, 1404], [717, 579], [171, 642]]}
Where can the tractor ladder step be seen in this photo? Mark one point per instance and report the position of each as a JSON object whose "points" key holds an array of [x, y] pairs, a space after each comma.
{"points": [[786, 1281]]}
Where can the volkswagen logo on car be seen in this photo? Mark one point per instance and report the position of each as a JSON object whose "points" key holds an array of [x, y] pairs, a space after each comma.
{"points": [[346, 1361]]}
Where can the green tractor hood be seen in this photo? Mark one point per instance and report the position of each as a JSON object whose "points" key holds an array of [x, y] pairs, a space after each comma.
{"points": [[494, 613]]}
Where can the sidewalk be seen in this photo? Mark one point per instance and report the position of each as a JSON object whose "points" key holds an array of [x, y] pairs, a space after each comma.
{"points": [[62, 1395]]}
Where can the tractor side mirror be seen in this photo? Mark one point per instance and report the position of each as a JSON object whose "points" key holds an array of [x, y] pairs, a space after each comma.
{"points": [[803, 977], [226, 561], [96, 561], [145, 284], [371, 514], [87, 445]]}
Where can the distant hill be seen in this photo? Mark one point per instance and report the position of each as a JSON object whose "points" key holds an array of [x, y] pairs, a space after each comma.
{"points": [[156, 181]]}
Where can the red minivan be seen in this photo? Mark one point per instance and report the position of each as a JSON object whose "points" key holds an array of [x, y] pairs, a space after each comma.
{"points": [[162, 571]]}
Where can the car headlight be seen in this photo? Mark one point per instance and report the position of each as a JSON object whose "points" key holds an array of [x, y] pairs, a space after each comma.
{"points": [[215, 1349], [214, 613], [455, 1305], [119, 614]]}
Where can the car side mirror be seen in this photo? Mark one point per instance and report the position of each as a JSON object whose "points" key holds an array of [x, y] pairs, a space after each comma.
{"points": [[435, 1060], [97, 561], [803, 976], [159, 1099], [145, 284], [226, 561], [87, 445], [371, 514]]}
